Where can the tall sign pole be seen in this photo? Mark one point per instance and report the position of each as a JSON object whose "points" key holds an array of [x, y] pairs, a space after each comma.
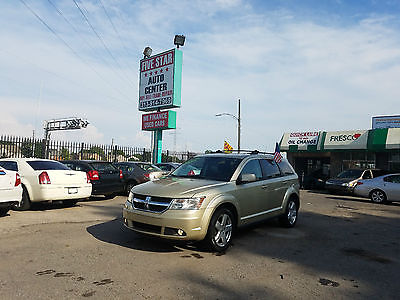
{"points": [[160, 88]]}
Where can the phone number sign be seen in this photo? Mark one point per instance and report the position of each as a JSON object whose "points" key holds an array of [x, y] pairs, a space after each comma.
{"points": [[160, 81]]}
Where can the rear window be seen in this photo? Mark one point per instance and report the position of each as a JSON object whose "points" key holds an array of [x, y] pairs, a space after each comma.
{"points": [[103, 166], [39, 165], [9, 165], [286, 169]]}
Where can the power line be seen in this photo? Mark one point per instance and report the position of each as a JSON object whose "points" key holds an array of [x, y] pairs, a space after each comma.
{"points": [[98, 36], [115, 30], [67, 45]]}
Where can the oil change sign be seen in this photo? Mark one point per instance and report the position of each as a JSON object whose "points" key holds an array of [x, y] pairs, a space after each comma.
{"points": [[160, 81], [300, 139], [354, 139]]}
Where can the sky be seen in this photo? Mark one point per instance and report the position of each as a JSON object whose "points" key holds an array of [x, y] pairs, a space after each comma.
{"points": [[311, 65]]}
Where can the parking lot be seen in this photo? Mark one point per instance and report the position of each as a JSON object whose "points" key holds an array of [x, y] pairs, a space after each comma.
{"points": [[341, 247]]}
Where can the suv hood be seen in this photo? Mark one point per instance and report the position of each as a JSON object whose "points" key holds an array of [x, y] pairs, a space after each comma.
{"points": [[175, 187]]}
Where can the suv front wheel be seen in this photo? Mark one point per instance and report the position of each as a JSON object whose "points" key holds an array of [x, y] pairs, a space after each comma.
{"points": [[220, 230]]}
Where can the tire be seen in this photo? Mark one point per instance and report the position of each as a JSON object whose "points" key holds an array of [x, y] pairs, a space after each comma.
{"points": [[378, 196], [4, 211], [289, 218], [70, 203], [25, 203], [129, 186], [220, 230]]}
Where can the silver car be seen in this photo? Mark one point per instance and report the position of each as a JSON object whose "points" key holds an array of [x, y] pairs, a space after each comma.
{"points": [[380, 189]]}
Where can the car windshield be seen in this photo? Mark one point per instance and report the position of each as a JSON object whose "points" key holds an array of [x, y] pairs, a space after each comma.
{"points": [[208, 167], [352, 173], [149, 167]]}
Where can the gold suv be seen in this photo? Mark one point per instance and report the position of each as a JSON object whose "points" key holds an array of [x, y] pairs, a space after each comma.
{"points": [[210, 196]]}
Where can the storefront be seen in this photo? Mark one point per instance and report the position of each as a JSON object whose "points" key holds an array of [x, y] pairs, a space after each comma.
{"points": [[329, 153]]}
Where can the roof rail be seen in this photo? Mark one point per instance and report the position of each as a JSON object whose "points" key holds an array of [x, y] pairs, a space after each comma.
{"points": [[244, 152]]}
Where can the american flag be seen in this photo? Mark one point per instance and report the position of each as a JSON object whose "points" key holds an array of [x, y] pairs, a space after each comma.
{"points": [[277, 154]]}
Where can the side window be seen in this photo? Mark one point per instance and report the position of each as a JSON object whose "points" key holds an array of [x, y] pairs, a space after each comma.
{"points": [[269, 169], [394, 179], [286, 169], [253, 167], [367, 175]]}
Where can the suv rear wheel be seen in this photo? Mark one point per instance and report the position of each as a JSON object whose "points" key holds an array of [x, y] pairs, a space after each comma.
{"points": [[220, 230]]}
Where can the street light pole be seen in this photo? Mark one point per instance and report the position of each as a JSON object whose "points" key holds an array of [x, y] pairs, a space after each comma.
{"points": [[237, 118], [238, 126]]}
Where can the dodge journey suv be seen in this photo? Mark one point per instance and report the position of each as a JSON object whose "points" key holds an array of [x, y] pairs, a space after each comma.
{"points": [[208, 197]]}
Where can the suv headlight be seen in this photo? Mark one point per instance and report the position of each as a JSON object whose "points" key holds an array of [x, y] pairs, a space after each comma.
{"points": [[345, 184], [129, 201], [187, 203]]}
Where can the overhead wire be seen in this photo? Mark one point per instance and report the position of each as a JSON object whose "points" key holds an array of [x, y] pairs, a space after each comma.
{"points": [[99, 37], [69, 47], [115, 30]]}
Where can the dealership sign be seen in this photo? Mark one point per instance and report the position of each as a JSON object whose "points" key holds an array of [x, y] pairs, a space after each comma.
{"points": [[160, 81], [354, 139], [386, 122], [159, 120]]}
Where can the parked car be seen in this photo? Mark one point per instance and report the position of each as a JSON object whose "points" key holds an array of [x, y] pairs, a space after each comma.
{"points": [[381, 189], [168, 166], [106, 179], [47, 180], [132, 174], [315, 180], [152, 172], [10, 190], [225, 192], [347, 180]]}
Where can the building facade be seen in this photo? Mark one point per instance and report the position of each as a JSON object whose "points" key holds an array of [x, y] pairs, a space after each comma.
{"points": [[330, 152]]}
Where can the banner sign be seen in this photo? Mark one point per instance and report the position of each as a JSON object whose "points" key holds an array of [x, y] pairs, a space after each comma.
{"points": [[386, 122], [354, 139], [160, 81], [300, 139], [159, 120]]}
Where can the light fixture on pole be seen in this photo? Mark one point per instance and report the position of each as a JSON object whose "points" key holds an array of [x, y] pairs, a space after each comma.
{"points": [[179, 40], [237, 118], [147, 52]]}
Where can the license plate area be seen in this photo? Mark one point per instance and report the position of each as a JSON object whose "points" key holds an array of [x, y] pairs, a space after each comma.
{"points": [[72, 190]]}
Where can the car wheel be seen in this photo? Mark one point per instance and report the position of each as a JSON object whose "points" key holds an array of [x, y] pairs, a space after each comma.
{"points": [[70, 203], [25, 203], [3, 211], [220, 230], [129, 186], [378, 196], [289, 218]]}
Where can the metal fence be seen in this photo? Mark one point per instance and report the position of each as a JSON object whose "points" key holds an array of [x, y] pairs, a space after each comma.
{"points": [[14, 146]]}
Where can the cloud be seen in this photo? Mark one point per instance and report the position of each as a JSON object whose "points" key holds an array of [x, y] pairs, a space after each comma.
{"points": [[291, 71]]}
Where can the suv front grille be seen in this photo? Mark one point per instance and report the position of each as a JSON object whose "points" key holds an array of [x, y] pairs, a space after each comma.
{"points": [[152, 204]]}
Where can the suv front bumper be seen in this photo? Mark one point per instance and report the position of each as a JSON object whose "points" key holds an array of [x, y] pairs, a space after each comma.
{"points": [[171, 224]]}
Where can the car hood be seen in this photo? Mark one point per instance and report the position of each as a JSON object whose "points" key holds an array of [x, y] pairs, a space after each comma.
{"points": [[340, 180], [171, 187]]}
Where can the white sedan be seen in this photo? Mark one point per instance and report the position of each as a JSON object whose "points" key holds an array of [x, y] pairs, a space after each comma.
{"points": [[10, 190], [380, 189], [48, 180]]}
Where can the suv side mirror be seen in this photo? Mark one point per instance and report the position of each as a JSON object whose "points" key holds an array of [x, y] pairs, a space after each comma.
{"points": [[246, 178]]}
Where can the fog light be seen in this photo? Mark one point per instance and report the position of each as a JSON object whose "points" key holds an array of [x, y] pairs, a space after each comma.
{"points": [[180, 232]]}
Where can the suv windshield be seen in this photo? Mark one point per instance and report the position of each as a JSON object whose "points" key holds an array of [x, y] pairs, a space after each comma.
{"points": [[208, 167], [350, 174]]}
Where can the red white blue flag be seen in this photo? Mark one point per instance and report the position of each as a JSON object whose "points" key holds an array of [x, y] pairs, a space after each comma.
{"points": [[277, 155]]}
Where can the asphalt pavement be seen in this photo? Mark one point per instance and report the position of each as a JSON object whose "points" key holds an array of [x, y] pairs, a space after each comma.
{"points": [[342, 247]]}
